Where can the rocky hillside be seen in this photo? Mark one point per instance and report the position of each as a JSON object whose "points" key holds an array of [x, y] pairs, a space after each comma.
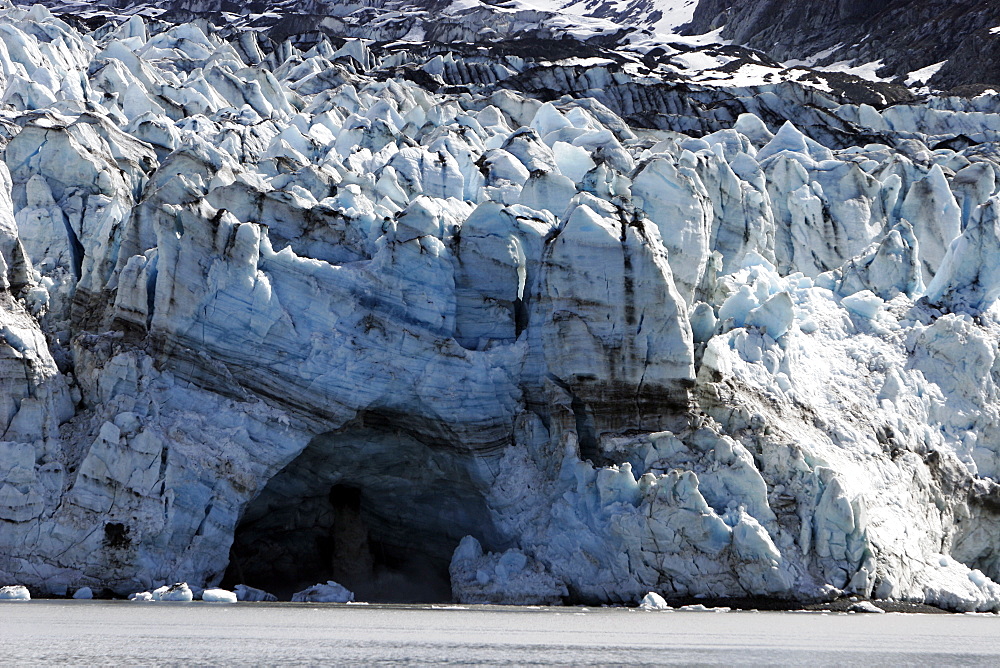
{"points": [[948, 44], [958, 36]]}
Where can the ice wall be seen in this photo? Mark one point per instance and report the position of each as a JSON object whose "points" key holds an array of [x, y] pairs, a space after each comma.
{"points": [[576, 358]]}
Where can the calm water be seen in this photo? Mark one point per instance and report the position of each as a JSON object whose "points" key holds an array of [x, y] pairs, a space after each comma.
{"points": [[121, 632]]}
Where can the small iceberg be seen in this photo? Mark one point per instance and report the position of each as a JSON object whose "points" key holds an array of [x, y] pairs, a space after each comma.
{"points": [[218, 596], [84, 594], [653, 601], [331, 592], [179, 591], [247, 593], [141, 596], [698, 607], [14, 593]]}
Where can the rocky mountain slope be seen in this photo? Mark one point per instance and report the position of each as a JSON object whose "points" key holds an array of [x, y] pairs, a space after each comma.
{"points": [[572, 316], [957, 40], [948, 44]]}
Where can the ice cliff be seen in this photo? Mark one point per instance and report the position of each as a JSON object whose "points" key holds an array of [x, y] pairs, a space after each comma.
{"points": [[420, 318]]}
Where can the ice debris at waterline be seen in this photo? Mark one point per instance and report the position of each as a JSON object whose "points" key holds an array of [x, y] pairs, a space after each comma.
{"points": [[653, 601], [179, 592], [502, 579], [256, 299], [331, 592], [83, 594], [698, 607], [219, 596], [175, 592], [14, 593], [245, 593], [866, 607], [182, 592]]}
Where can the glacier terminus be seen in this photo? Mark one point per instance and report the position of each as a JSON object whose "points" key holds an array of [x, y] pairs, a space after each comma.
{"points": [[488, 302]]}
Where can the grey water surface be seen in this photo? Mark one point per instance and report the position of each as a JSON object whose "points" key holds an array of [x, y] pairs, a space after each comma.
{"points": [[126, 633]]}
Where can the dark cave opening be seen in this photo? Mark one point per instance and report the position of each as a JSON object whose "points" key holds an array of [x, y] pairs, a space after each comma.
{"points": [[351, 561], [374, 510]]}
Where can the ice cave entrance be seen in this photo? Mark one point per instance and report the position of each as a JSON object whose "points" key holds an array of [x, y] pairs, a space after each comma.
{"points": [[377, 510]]}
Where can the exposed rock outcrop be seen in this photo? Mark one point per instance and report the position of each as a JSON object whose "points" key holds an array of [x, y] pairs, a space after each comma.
{"points": [[903, 35]]}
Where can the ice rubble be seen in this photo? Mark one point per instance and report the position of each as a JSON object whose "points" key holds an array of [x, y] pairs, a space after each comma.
{"points": [[511, 577], [715, 359], [177, 592], [245, 593], [330, 592]]}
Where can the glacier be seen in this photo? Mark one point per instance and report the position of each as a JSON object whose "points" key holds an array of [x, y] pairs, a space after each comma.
{"points": [[427, 320]]}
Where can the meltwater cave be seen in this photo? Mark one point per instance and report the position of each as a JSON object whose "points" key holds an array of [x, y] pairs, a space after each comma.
{"points": [[374, 509]]}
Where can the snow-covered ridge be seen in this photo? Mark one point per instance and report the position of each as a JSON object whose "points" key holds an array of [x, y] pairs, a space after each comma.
{"points": [[528, 327]]}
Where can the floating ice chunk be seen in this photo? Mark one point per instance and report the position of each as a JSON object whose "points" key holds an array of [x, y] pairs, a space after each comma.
{"points": [[245, 593], [698, 607], [219, 596], [331, 592], [179, 591], [14, 593], [141, 596], [865, 304], [653, 601], [866, 606], [84, 594]]}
